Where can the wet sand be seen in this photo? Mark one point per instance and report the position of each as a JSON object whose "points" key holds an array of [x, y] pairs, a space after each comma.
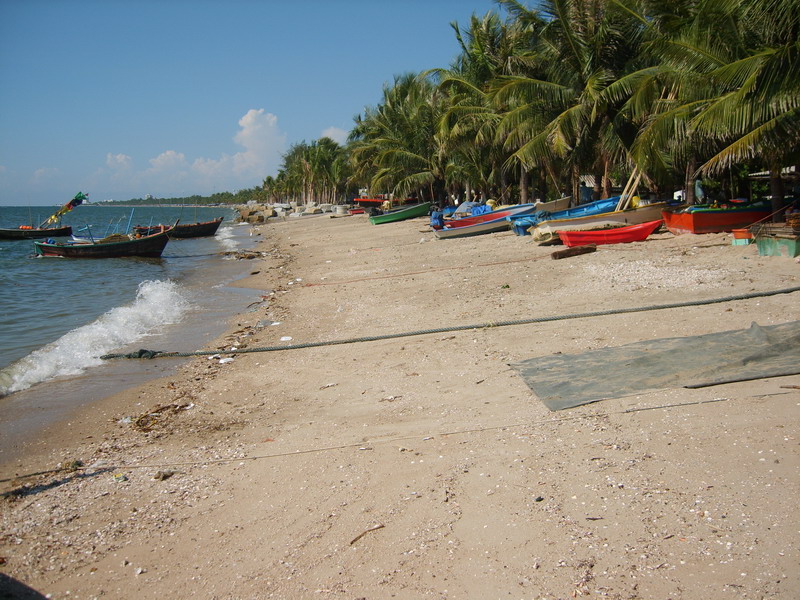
{"points": [[424, 466]]}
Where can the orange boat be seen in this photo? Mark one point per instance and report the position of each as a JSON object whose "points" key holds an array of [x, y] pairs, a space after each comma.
{"points": [[706, 219], [615, 235]]}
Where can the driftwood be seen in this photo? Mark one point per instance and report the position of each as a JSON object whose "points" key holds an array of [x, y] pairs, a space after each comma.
{"points": [[360, 535], [573, 251]]}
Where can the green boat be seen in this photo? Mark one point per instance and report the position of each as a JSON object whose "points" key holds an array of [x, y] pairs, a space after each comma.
{"points": [[401, 214]]}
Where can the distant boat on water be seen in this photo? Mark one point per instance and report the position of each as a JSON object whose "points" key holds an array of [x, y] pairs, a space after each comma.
{"points": [[183, 230], [48, 227]]}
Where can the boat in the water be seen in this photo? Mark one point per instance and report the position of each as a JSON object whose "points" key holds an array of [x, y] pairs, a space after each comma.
{"points": [[490, 222], [401, 214], [26, 232], [703, 218], [614, 235], [51, 227], [115, 246], [183, 230]]}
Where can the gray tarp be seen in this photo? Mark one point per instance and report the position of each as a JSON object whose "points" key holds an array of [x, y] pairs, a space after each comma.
{"points": [[566, 381]]}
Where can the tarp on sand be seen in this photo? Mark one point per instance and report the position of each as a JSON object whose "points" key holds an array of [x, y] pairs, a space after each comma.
{"points": [[566, 381]]}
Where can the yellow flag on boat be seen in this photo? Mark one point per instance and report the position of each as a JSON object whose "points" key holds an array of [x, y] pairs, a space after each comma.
{"points": [[76, 201]]}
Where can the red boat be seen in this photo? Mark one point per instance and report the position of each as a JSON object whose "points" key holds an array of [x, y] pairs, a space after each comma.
{"points": [[616, 235], [705, 219]]}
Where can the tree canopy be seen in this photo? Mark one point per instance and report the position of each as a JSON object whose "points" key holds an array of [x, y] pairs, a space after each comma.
{"points": [[673, 90]]}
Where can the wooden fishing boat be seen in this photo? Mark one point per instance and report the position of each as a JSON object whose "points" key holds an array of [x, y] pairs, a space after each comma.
{"points": [[24, 232], [490, 222], [522, 223], [501, 213], [48, 228], [616, 235], [707, 219], [183, 230], [115, 246], [547, 231], [401, 214], [554, 205]]}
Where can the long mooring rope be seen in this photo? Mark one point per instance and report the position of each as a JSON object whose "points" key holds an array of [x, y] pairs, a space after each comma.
{"points": [[388, 336]]}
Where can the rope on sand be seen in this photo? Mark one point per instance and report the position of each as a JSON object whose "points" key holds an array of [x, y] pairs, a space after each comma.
{"points": [[388, 336]]}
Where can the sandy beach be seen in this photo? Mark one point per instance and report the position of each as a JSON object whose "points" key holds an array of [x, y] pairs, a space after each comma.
{"points": [[424, 466]]}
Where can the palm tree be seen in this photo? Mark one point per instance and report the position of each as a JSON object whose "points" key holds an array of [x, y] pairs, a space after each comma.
{"points": [[489, 48], [395, 146], [723, 89], [559, 111]]}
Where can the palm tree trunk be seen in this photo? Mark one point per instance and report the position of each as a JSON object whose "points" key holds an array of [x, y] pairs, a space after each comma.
{"points": [[688, 182], [523, 186], [576, 183], [606, 179]]}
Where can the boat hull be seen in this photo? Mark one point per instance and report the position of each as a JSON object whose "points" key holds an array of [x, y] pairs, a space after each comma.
{"points": [[616, 235], [32, 234], [401, 214], [496, 215], [478, 229], [547, 231], [150, 246], [187, 230], [712, 220]]}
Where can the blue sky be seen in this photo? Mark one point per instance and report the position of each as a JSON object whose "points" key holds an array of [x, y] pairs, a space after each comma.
{"points": [[171, 98]]}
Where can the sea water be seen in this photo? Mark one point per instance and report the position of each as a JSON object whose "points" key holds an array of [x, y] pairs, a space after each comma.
{"points": [[58, 316]]}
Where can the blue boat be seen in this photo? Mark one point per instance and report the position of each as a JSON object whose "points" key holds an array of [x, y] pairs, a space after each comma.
{"points": [[521, 223]]}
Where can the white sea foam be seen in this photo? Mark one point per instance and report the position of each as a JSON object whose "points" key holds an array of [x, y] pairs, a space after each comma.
{"points": [[157, 303], [227, 239]]}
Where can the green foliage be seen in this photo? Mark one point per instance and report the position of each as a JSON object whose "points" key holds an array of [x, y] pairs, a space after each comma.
{"points": [[674, 89]]}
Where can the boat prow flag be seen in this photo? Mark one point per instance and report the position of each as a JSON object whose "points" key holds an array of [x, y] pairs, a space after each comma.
{"points": [[76, 201]]}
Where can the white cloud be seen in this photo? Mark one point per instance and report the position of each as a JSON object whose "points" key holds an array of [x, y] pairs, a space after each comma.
{"points": [[118, 161], [168, 162], [336, 134], [262, 141], [173, 174], [45, 174]]}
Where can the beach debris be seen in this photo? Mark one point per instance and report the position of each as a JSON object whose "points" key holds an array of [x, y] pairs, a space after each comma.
{"points": [[119, 478], [390, 398], [363, 533], [286, 338], [577, 250], [150, 419], [214, 357], [328, 385], [225, 361], [71, 465]]}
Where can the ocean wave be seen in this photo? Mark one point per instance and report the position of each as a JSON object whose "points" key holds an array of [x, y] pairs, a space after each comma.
{"points": [[157, 303], [225, 236]]}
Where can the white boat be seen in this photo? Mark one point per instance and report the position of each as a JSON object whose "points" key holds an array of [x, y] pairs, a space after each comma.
{"points": [[546, 232], [554, 205]]}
